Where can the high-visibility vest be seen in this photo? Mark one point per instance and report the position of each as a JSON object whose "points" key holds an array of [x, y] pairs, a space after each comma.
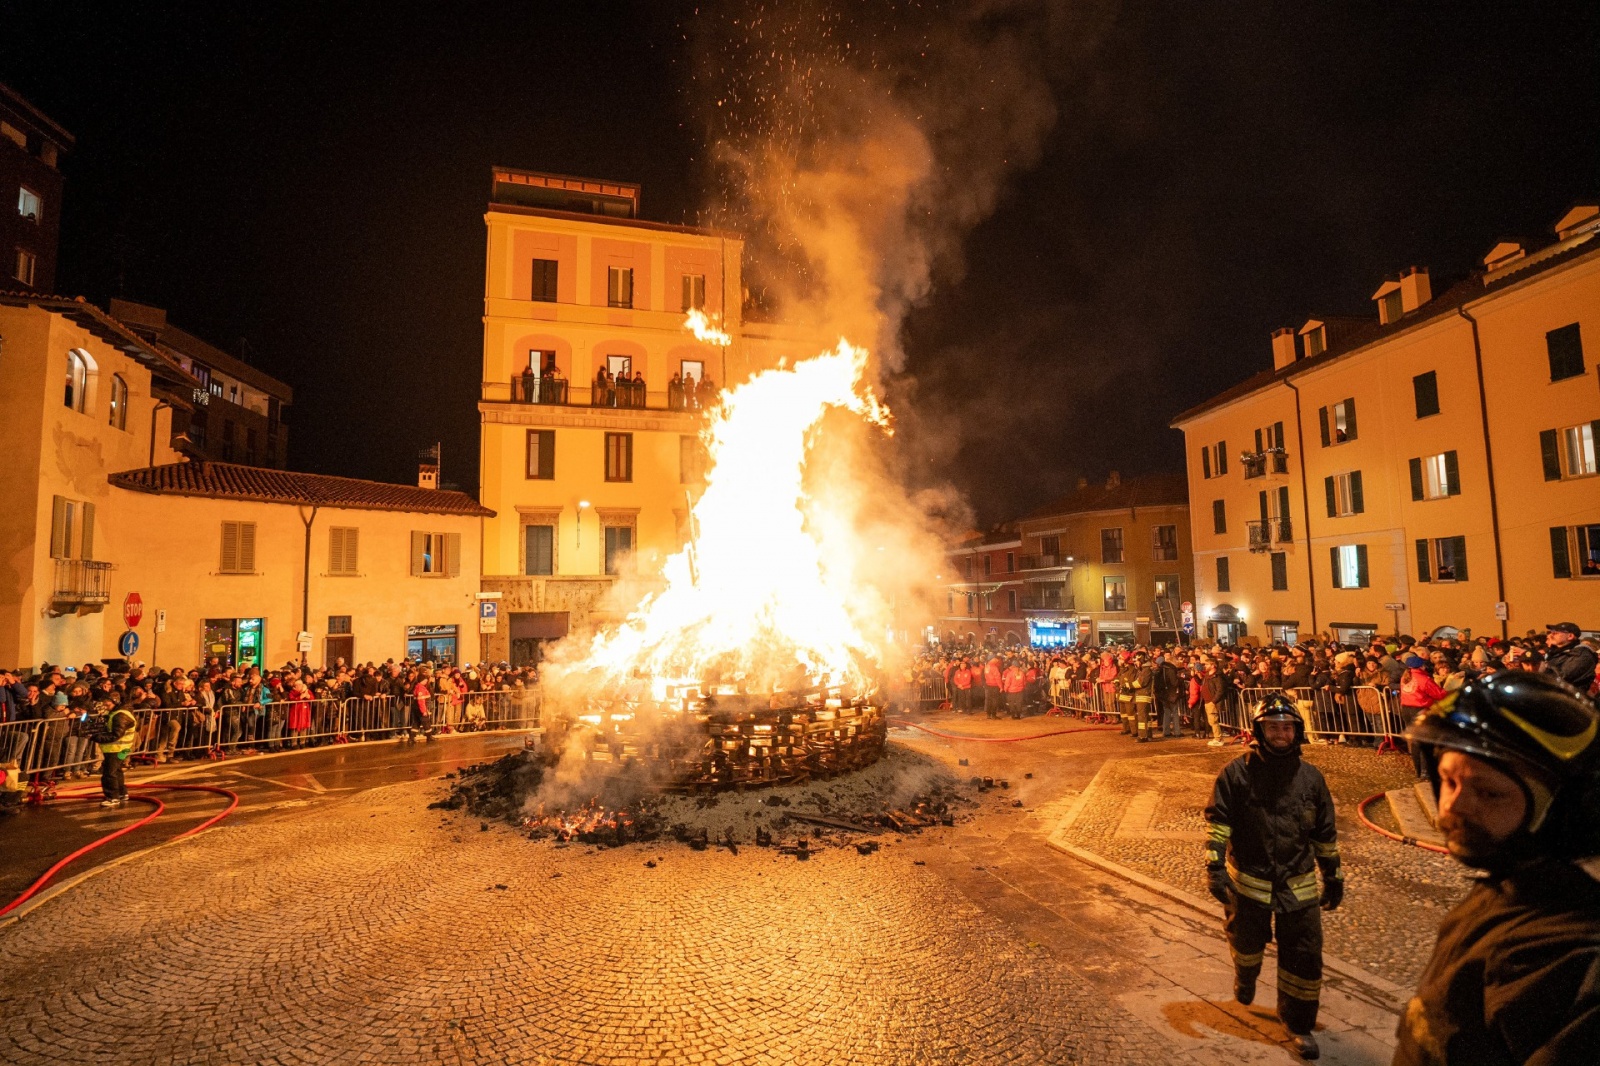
{"points": [[124, 738]]}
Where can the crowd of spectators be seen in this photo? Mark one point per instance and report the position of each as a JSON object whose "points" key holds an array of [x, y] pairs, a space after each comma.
{"points": [[1345, 692], [221, 709]]}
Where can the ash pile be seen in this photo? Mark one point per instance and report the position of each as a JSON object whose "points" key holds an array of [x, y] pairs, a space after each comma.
{"points": [[902, 792]]}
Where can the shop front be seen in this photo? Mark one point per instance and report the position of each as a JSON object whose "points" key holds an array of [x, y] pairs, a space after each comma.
{"points": [[237, 642], [1052, 632], [532, 632], [432, 644], [1225, 624], [1115, 631], [1283, 630], [1353, 632]]}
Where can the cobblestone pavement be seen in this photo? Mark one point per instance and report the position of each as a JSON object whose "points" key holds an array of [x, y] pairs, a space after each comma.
{"points": [[369, 929]]}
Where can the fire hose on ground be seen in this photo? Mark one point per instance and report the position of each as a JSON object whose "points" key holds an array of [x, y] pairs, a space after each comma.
{"points": [[1361, 813], [44, 879], [1012, 740]]}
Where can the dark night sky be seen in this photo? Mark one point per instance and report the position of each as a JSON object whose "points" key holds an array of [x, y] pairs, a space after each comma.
{"points": [[312, 179]]}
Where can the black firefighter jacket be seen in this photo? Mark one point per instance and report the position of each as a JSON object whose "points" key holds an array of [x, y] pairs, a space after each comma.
{"points": [[1272, 820]]}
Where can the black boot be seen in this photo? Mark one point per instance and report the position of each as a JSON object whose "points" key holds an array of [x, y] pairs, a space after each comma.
{"points": [[1305, 1045], [1244, 989]]}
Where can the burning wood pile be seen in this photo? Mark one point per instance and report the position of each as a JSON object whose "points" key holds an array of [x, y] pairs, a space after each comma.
{"points": [[701, 738]]}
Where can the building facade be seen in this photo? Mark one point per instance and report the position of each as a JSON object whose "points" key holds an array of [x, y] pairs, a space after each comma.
{"points": [[240, 414], [1110, 563], [583, 477], [1430, 466], [31, 149], [983, 591]]}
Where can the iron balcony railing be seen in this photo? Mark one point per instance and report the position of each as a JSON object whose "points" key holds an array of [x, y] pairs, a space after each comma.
{"points": [[559, 392], [1047, 603], [82, 583], [1265, 535], [1044, 562], [1258, 464]]}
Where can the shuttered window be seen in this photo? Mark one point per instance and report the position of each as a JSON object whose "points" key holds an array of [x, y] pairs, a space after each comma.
{"points": [[63, 517], [1280, 571], [1349, 566], [694, 292], [1344, 494], [1337, 422], [1205, 463], [619, 286], [238, 548], [435, 554], [1222, 574], [343, 545], [541, 454], [1565, 346], [1425, 390], [619, 456], [1442, 559], [1434, 477], [86, 540], [544, 280], [541, 550], [1219, 516], [1570, 452]]}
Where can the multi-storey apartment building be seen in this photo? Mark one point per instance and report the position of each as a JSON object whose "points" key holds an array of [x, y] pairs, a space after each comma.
{"points": [[1431, 465], [31, 148], [583, 476], [240, 414], [984, 594], [1108, 563]]}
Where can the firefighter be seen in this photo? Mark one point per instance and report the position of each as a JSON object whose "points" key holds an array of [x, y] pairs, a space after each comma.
{"points": [[1125, 682], [115, 739], [1144, 694], [1515, 975], [1271, 820]]}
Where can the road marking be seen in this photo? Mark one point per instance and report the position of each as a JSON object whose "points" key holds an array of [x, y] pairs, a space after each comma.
{"points": [[316, 787]]}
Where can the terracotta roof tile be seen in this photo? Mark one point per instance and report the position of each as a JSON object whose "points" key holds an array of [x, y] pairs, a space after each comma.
{"points": [[1153, 490], [231, 481]]}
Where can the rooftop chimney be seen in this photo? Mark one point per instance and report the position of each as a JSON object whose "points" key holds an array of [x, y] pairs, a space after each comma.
{"points": [[1415, 289], [1283, 347], [1503, 254], [1113, 479], [1580, 219], [428, 468]]}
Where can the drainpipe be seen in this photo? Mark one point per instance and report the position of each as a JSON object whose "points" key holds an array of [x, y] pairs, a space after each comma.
{"points": [[1305, 505], [1488, 457], [305, 576]]}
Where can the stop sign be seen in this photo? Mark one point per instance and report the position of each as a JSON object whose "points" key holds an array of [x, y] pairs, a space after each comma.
{"points": [[132, 609]]}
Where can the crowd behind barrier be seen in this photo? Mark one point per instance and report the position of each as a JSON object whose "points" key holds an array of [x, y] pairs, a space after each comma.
{"points": [[1352, 694], [49, 717]]}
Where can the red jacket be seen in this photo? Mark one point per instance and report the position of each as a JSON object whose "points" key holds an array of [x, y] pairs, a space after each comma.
{"points": [[1418, 689], [991, 673], [1015, 680]]}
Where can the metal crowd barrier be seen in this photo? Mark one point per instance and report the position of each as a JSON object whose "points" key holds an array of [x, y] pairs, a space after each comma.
{"points": [[1366, 712]]}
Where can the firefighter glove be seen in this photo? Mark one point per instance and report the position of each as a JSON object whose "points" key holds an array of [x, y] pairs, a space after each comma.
{"points": [[1221, 886], [1332, 893]]}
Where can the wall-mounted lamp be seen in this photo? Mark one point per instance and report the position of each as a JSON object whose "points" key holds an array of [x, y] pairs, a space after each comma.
{"points": [[583, 505]]}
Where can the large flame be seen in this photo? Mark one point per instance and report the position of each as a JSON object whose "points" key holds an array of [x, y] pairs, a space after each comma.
{"points": [[764, 593]]}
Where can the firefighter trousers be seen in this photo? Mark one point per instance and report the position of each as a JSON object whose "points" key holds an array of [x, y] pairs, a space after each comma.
{"points": [[1141, 716], [1299, 933], [1125, 711]]}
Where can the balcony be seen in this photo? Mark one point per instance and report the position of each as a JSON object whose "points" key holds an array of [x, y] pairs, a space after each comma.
{"points": [[1264, 536], [81, 583], [559, 392], [1044, 562], [1047, 603]]}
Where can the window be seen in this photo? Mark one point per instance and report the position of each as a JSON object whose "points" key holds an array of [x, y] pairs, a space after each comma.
{"points": [[544, 280], [77, 392], [119, 402], [1569, 452], [1393, 308], [1338, 422], [1222, 574], [988, 602], [1575, 550], [1205, 463], [29, 206], [1116, 594], [1011, 601], [1050, 546], [1349, 566], [1164, 542], [540, 544], [691, 460], [1219, 458], [1565, 346], [27, 265], [435, 554], [694, 292], [1167, 587], [238, 548], [1280, 571], [1269, 449], [1011, 562], [541, 454], [1316, 341], [1344, 493], [71, 529], [1111, 545], [343, 542], [619, 456], [1442, 559], [988, 566], [966, 565], [1219, 516], [1425, 390], [339, 625], [619, 548], [619, 286], [1434, 477]]}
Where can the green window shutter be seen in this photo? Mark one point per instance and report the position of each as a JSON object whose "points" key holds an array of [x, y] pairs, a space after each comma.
{"points": [[86, 544], [1452, 474], [1283, 502], [1263, 500], [1424, 567], [452, 555], [1361, 566], [335, 551], [547, 454], [1205, 463], [1333, 496], [419, 548], [1459, 547], [1333, 554], [1322, 420], [1219, 516], [1416, 479], [1550, 452], [58, 527], [1560, 562], [352, 549], [1222, 457], [247, 547], [1222, 574], [1259, 446], [230, 547], [1358, 502], [1350, 419]]}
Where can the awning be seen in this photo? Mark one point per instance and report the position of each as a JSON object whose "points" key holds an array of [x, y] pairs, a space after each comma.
{"points": [[1291, 623], [1352, 625], [538, 625]]}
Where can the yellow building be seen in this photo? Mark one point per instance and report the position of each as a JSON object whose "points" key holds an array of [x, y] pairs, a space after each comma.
{"points": [[1431, 465], [228, 561], [1108, 563], [584, 478]]}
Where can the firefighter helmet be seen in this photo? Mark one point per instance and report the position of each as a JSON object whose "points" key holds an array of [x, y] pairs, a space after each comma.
{"points": [[1532, 726], [1277, 707]]}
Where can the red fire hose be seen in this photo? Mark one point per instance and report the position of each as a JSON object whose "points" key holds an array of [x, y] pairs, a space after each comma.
{"points": [[44, 879], [1012, 740], [1361, 813]]}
